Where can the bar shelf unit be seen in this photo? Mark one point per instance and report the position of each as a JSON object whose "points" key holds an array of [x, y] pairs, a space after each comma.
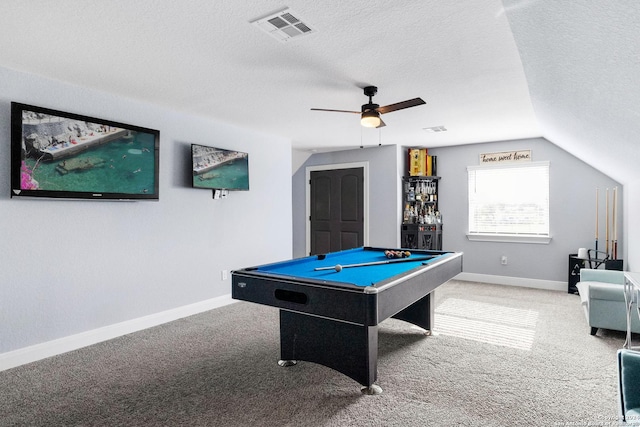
{"points": [[421, 220]]}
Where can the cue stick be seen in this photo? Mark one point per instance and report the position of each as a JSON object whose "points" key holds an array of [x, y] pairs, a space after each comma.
{"points": [[606, 223], [364, 264], [596, 220], [614, 245]]}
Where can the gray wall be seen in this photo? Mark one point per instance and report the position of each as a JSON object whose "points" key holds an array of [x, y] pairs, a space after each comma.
{"points": [[74, 266], [572, 211], [572, 206], [384, 197]]}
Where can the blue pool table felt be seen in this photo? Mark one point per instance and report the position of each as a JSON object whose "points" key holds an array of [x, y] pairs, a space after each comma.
{"points": [[359, 276]]}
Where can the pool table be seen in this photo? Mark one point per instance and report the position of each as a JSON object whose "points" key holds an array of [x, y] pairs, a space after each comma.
{"points": [[330, 315]]}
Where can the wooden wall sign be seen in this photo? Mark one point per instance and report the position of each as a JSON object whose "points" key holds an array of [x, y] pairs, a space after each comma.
{"points": [[505, 156]]}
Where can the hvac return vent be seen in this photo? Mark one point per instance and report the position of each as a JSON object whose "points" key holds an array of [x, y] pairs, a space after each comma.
{"points": [[284, 25]]}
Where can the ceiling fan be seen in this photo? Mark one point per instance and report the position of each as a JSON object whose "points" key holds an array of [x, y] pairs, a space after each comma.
{"points": [[370, 114]]}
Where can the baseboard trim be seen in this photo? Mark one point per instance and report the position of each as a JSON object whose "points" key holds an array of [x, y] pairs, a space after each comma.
{"points": [[41, 351], [550, 285]]}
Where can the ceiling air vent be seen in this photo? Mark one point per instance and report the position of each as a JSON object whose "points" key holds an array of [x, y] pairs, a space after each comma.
{"points": [[283, 25], [435, 129]]}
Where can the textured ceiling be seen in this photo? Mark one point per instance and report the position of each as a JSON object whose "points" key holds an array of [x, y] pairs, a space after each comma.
{"points": [[488, 72], [582, 62], [204, 57]]}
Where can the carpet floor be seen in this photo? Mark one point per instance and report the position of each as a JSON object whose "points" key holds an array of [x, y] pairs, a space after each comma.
{"points": [[498, 356]]}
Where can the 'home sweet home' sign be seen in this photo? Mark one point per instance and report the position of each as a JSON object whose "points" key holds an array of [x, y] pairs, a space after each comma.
{"points": [[505, 156]]}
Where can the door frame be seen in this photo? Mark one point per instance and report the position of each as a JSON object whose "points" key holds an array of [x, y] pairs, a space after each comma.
{"points": [[365, 198]]}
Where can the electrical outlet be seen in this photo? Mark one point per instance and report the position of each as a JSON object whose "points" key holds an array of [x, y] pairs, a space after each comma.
{"points": [[224, 275], [503, 260]]}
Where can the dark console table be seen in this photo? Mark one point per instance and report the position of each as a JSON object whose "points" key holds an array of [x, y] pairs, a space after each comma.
{"points": [[575, 264]]}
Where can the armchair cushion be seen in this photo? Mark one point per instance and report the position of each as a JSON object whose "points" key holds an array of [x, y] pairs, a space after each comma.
{"points": [[629, 384]]}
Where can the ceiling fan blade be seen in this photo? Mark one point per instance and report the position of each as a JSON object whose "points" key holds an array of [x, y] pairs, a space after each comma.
{"points": [[401, 105], [382, 124], [335, 111]]}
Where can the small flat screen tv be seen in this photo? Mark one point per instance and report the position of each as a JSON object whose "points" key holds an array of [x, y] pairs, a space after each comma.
{"points": [[64, 155], [219, 169]]}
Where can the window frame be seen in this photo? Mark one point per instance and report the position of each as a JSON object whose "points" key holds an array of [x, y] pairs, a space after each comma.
{"points": [[510, 237]]}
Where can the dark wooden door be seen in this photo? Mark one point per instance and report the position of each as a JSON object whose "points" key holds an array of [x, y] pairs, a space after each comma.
{"points": [[337, 210]]}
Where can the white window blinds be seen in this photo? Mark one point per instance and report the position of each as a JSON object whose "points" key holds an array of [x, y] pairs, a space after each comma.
{"points": [[509, 199]]}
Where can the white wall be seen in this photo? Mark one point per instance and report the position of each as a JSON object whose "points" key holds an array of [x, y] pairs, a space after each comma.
{"points": [[572, 212], [632, 225], [384, 186], [74, 266]]}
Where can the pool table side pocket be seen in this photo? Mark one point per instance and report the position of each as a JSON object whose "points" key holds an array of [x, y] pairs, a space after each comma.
{"points": [[338, 304]]}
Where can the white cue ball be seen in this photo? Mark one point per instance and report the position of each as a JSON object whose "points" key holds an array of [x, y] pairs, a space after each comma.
{"points": [[338, 268]]}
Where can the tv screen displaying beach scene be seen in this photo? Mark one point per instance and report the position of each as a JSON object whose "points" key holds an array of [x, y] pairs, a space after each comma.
{"points": [[218, 168], [66, 155]]}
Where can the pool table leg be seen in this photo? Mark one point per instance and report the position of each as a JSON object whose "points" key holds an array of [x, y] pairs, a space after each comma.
{"points": [[420, 313], [346, 347]]}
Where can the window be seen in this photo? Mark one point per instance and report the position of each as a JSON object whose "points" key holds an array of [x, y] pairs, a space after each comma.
{"points": [[509, 202]]}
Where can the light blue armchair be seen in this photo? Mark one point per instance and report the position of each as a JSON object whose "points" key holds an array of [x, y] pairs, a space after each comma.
{"points": [[602, 296], [629, 385]]}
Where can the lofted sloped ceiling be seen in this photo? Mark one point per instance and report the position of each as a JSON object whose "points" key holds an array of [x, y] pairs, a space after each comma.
{"points": [[582, 63], [488, 72]]}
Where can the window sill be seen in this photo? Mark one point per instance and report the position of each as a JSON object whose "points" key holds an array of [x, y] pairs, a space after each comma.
{"points": [[509, 238]]}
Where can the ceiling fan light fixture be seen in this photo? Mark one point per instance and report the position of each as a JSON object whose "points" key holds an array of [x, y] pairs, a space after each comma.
{"points": [[370, 119], [370, 112]]}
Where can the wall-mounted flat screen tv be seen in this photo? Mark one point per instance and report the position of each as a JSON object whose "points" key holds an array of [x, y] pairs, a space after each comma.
{"points": [[217, 168], [64, 155]]}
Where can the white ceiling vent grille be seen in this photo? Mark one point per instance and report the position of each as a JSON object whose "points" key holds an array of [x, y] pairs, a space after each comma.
{"points": [[435, 129], [284, 25]]}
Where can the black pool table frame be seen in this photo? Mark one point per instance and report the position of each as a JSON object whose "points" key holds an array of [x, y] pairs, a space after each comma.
{"points": [[336, 324]]}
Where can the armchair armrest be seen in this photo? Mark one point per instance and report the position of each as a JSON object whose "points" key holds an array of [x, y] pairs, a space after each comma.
{"points": [[605, 291], [607, 276]]}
